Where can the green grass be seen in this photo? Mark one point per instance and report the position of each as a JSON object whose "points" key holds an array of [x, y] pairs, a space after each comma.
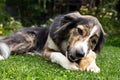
{"points": [[26, 67]]}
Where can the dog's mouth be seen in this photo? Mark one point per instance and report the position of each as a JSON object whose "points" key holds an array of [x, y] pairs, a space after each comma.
{"points": [[72, 58]]}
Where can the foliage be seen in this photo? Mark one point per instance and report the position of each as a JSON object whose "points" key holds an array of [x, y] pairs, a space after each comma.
{"points": [[7, 22], [12, 24], [35, 12], [110, 25], [106, 14], [105, 9], [3, 14], [30, 12]]}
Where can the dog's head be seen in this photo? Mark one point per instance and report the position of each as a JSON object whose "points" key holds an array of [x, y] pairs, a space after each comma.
{"points": [[80, 34]]}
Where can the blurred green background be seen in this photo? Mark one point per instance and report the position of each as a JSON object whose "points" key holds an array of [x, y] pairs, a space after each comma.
{"points": [[14, 14]]}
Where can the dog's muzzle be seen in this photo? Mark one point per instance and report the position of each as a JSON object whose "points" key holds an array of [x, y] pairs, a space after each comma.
{"points": [[77, 55], [71, 58]]}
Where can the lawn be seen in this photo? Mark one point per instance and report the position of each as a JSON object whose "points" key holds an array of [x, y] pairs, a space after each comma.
{"points": [[26, 67]]}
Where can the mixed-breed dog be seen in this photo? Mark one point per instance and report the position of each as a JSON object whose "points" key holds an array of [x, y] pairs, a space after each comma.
{"points": [[72, 41]]}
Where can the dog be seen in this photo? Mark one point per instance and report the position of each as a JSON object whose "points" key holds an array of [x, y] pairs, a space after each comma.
{"points": [[66, 41]]}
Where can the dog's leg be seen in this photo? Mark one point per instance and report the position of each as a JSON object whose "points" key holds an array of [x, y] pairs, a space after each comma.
{"points": [[59, 58], [17, 42], [93, 67]]}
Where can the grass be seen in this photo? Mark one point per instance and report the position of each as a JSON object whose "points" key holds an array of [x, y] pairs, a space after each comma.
{"points": [[26, 67]]}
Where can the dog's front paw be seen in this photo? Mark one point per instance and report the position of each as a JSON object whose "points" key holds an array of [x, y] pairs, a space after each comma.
{"points": [[73, 66], [93, 68]]}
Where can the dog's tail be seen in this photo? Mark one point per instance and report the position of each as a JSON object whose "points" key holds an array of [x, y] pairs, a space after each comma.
{"points": [[4, 51]]}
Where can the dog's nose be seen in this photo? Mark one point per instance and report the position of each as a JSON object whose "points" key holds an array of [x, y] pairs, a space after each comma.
{"points": [[79, 53]]}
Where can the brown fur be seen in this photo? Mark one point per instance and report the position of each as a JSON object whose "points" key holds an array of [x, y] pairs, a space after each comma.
{"points": [[85, 61]]}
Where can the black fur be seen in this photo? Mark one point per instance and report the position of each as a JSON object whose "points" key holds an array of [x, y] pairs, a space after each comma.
{"points": [[100, 42]]}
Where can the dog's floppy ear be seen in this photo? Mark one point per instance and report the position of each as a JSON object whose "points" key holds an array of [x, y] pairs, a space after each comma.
{"points": [[101, 40], [70, 17], [67, 20], [61, 26]]}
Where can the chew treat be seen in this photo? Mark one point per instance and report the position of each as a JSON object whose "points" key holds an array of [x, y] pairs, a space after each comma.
{"points": [[85, 61]]}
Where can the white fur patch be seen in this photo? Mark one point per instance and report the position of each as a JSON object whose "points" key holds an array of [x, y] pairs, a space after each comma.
{"points": [[4, 50], [50, 44], [82, 46], [91, 53], [95, 28], [59, 58], [93, 67]]}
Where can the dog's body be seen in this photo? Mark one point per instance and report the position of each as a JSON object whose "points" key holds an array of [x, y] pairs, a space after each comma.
{"points": [[69, 38]]}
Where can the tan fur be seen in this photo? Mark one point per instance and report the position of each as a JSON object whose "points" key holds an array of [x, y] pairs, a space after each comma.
{"points": [[85, 61], [47, 54], [86, 30]]}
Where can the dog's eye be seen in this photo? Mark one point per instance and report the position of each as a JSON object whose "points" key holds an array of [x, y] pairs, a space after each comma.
{"points": [[80, 31]]}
